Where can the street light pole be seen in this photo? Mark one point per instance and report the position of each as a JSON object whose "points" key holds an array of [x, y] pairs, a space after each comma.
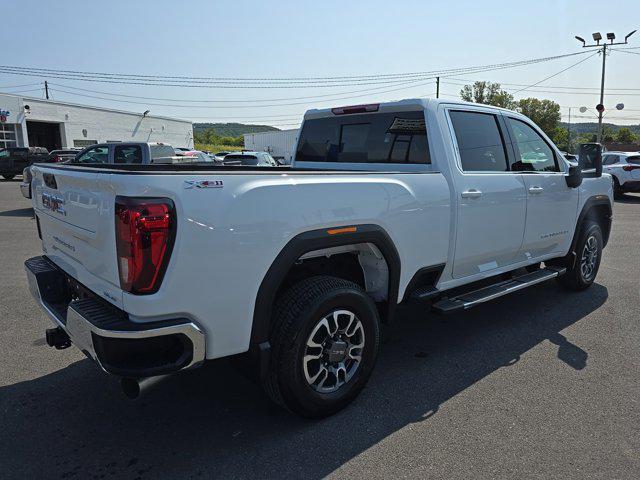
{"points": [[597, 37], [601, 110]]}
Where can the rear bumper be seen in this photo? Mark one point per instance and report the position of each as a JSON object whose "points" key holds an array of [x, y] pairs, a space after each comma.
{"points": [[105, 334]]}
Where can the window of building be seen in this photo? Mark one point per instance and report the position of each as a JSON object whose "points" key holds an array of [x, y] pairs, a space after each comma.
{"points": [[480, 142], [8, 135], [84, 143]]}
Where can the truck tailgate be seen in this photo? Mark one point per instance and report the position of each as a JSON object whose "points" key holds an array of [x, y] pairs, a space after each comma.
{"points": [[76, 216]]}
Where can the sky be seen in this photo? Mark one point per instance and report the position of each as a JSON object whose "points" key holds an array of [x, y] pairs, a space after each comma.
{"points": [[266, 39]]}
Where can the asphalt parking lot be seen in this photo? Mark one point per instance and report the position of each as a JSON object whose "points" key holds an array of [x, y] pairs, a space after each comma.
{"points": [[539, 384]]}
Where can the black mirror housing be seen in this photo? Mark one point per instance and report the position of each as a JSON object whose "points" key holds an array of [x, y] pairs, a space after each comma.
{"points": [[574, 177], [590, 157]]}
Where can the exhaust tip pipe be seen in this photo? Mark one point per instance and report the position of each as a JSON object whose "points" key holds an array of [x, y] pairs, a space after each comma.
{"points": [[134, 388]]}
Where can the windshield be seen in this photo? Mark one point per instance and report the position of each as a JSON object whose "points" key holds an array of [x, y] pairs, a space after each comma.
{"points": [[394, 137], [160, 151]]}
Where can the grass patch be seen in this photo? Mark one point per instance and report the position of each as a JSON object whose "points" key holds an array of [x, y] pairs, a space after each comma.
{"points": [[217, 148]]}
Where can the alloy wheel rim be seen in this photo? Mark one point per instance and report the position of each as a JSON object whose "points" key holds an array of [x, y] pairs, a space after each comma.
{"points": [[589, 258], [333, 351]]}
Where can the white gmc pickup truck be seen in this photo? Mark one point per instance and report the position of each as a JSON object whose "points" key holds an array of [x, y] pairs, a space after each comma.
{"points": [[154, 269]]}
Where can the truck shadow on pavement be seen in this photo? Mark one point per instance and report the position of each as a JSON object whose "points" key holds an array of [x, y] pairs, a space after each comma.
{"points": [[18, 212], [212, 422]]}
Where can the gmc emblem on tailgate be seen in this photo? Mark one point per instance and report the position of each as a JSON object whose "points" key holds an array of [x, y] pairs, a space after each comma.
{"points": [[54, 203]]}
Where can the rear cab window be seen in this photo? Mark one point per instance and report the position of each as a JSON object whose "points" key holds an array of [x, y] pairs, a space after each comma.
{"points": [[129, 154], [380, 137], [481, 144]]}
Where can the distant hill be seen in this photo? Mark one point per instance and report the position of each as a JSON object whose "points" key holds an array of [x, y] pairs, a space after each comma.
{"points": [[232, 129], [592, 127]]}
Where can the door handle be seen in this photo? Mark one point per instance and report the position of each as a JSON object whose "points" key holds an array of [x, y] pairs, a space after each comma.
{"points": [[536, 190], [472, 193]]}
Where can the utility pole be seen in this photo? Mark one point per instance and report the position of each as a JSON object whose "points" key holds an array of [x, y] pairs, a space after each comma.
{"points": [[46, 89], [569, 133], [597, 37], [437, 87]]}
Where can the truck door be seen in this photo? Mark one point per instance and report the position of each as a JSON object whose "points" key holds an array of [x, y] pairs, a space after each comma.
{"points": [[551, 204], [491, 199]]}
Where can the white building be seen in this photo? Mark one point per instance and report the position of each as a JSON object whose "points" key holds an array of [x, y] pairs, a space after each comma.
{"points": [[281, 144], [26, 121]]}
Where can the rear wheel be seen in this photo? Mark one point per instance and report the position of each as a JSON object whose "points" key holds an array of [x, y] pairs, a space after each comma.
{"points": [[8, 177], [588, 254], [325, 338]]}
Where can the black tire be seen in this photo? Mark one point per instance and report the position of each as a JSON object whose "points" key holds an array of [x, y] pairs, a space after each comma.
{"points": [[297, 313], [575, 278], [617, 189], [8, 177]]}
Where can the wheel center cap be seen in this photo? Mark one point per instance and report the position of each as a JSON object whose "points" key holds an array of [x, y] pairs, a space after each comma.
{"points": [[336, 351]]}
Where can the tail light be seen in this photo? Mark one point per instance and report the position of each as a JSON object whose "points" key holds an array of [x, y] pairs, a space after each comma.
{"points": [[628, 168], [56, 159], [145, 232]]}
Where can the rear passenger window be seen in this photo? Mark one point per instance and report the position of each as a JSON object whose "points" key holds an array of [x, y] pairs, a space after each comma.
{"points": [[393, 137], [533, 154], [479, 141], [127, 154]]}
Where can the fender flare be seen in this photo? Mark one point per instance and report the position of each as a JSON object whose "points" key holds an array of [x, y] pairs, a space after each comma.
{"points": [[570, 258], [316, 240]]}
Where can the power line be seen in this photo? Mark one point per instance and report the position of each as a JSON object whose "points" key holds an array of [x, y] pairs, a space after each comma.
{"points": [[273, 82], [369, 90], [624, 51], [556, 74], [230, 106], [463, 82], [276, 79]]}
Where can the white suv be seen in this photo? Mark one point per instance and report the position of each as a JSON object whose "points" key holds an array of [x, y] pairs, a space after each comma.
{"points": [[624, 167]]}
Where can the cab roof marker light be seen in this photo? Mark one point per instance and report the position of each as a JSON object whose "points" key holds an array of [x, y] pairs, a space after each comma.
{"points": [[337, 231]]}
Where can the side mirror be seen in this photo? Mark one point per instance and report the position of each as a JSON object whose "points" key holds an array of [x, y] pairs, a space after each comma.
{"points": [[574, 177], [590, 158]]}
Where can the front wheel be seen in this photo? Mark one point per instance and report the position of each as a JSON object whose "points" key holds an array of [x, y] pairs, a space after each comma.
{"points": [[325, 337], [588, 255]]}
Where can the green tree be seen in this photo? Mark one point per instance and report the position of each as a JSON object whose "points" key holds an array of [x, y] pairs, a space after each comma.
{"points": [[608, 135], [561, 138], [625, 135], [544, 113], [487, 93]]}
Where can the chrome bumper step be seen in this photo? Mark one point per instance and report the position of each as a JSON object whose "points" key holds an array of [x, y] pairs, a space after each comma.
{"points": [[470, 299]]}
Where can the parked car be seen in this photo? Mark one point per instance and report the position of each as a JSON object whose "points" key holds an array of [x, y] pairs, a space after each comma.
{"points": [[219, 157], [435, 202], [198, 156], [141, 153], [13, 160], [256, 159], [624, 168]]}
